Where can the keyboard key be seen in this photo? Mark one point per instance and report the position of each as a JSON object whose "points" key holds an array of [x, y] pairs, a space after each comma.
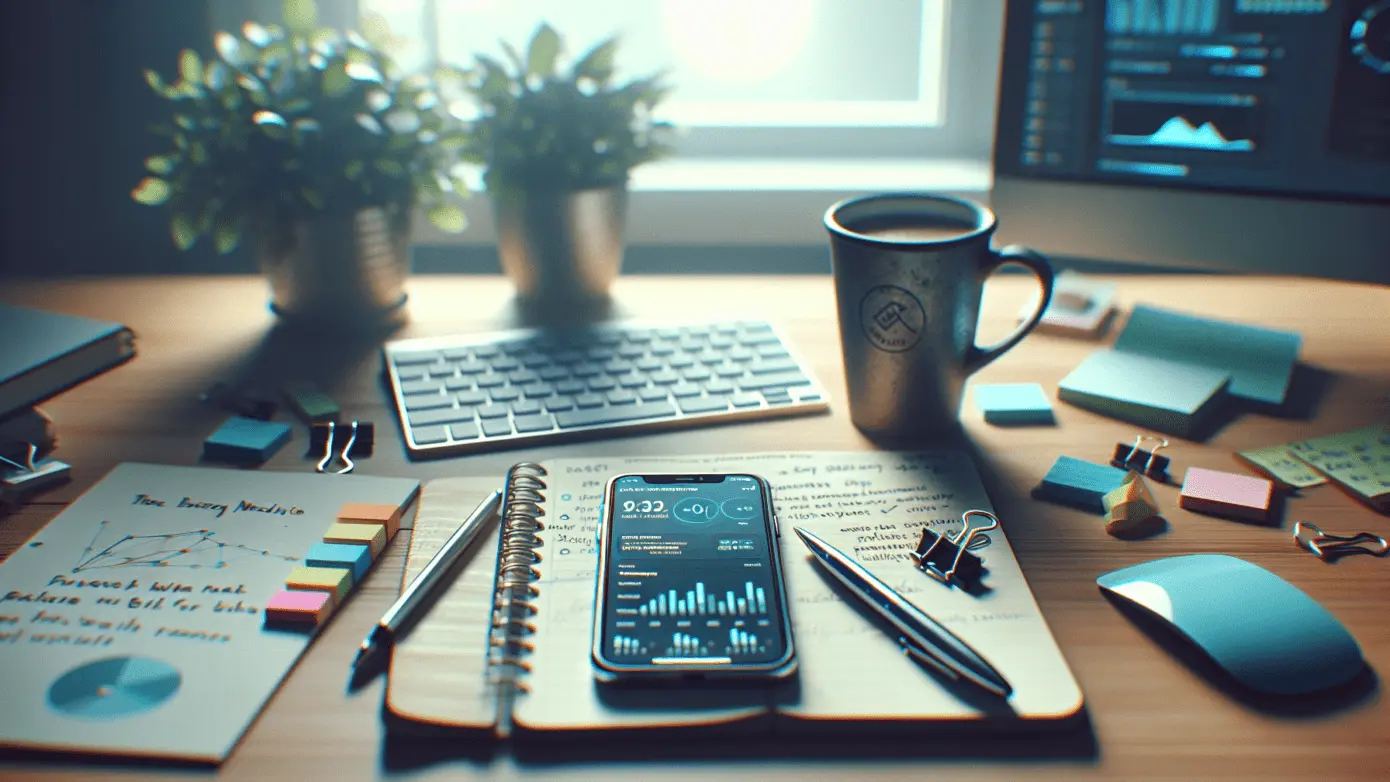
{"points": [[648, 365], [411, 359], [721, 341], [471, 398], [413, 373], [584, 401], [680, 361], [506, 394], [746, 400], [741, 355], [632, 351], [703, 404], [755, 327], [768, 367], [621, 396], [600, 353], [486, 351], [633, 380], [613, 415], [764, 338], [525, 407], [586, 369], [772, 351], [534, 360], [492, 411], [504, 364], [470, 367], [696, 373], [718, 386], [553, 373], [669, 333], [444, 416], [617, 366], [729, 371], [811, 398], [422, 387], [456, 354], [662, 349], [491, 381], [459, 384], [691, 345], [539, 422], [685, 389], [602, 383], [569, 357], [777, 397], [726, 328], [522, 376], [665, 377], [559, 404], [696, 331], [465, 431], [415, 402], [537, 390], [640, 336], [711, 358], [569, 387], [429, 435], [781, 380], [440, 368], [651, 394], [497, 427]]}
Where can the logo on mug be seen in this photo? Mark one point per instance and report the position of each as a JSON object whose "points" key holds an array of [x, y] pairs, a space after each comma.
{"points": [[892, 318]]}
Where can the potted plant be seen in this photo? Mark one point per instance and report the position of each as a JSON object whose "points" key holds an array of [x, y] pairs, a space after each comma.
{"points": [[313, 146], [557, 145]]}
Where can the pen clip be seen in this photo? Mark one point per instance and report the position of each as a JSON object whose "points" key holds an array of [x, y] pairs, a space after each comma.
{"points": [[920, 655]]}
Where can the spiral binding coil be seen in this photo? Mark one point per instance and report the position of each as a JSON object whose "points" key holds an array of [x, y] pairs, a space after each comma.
{"points": [[517, 558]]}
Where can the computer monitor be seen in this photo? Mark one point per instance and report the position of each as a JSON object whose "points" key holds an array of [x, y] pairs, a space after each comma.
{"points": [[1249, 135]]}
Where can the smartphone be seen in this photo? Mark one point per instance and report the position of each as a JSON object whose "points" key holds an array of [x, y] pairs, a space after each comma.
{"points": [[690, 580]]}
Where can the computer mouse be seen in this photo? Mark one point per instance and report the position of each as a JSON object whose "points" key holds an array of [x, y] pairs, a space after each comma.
{"points": [[1262, 630]]}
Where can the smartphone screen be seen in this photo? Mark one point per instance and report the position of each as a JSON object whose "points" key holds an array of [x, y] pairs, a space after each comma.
{"points": [[691, 573]]}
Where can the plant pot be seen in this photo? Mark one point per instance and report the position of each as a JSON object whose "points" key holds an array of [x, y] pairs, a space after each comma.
{"points": [[338, 271], [560, 247]]}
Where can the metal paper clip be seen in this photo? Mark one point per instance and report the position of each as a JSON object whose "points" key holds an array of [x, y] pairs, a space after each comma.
{"points": [[1329, 547], [355, 439], [32, 476], [1128, 457], [945, 558]]}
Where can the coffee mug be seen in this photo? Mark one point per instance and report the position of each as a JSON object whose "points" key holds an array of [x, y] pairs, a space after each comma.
{"points": [[909, 276]]}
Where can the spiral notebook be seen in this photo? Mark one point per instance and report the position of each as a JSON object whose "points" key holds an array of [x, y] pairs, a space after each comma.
{"points": [[506, 650]]}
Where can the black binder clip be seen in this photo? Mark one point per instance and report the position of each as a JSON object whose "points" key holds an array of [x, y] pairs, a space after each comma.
{"points": [[239, 403], [1132, 457], [19, 478], [330, 439], [945, 558]]}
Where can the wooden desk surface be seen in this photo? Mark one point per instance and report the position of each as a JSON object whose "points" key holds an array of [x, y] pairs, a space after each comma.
{"points": [[1151, 716]]}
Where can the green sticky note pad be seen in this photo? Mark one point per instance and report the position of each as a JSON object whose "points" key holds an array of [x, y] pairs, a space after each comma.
{"points": [[1080, 483], [1012, 404], [1166, 396]]}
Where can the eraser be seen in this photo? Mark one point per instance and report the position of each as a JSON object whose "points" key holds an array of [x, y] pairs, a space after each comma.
{"points": [[1014, 404], [245, 441], [308, 608], [358, 559], [1131, 510], [388, 516], [1080, 483], [372, 536], [335, 580], [1227, 494]]}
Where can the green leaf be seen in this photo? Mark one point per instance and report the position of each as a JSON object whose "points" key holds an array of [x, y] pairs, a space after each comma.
{"points": [[185, 122], [255, 34], [151, 191], [229, 48], [448, 218], [156, 83], [543, 51], [363, 72], [190, 66], [301, 15], [217, 76], [513, 56], [597, 63], [335, 79], [226, 234], [182, 229], [159, 164]]}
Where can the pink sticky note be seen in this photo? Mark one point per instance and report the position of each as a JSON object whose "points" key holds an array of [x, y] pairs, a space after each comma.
{"points": [[299, 607], [1226, 494]]}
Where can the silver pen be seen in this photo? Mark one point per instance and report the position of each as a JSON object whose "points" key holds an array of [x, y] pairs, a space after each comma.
{"points": [[408, 607], [923, 638]]}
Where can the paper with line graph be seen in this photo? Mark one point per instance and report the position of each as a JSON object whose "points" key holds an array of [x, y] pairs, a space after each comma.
{"points": [[132, 623]]}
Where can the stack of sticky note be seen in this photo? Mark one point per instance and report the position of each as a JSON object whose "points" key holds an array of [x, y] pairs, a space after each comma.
{"points": [[245, 441], [1169, 371], [1358, 461], [1079, 307], [1014, 404], [333, 567], [1080, 483], [1227, 494]]}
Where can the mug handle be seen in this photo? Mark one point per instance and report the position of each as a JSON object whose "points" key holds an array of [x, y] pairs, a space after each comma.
{"points": [[977, 357]]}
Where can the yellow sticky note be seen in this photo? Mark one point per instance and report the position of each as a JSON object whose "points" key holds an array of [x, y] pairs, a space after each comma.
{"points": [[1359, 460], [370, 535], [336, 580], [1283, 467]]}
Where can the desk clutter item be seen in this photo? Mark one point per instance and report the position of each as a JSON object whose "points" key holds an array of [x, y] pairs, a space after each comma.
{"points": [[1328, 547], [1079, 483], [1227, 494], [1263, 631], [1149, 463], [45, 353], [336, 442], [241, 403], [29, 475], [245, 441], [1131, 510], [1358, 461], [310, 404], [474, 392], [1278, 462], [947, 557], [1170, 372], [23, 428], [136, 615], [456, 670], [1080, 307], [1007, 404]]}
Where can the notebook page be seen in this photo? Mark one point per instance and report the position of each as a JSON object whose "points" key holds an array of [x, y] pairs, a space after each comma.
{"points": [[439, 670], [873, 506]]}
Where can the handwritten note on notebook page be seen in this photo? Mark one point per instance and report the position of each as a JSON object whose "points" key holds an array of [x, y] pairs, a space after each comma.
{"points": [[871, 505]]}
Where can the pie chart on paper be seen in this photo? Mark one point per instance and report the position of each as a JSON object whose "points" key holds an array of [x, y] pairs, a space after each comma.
{"points": [[113, 688]]}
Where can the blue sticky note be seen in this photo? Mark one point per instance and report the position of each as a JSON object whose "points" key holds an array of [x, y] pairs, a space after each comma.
{"points": [[1014, 403], [1080, 483], [245, 441], [349, 556]]}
